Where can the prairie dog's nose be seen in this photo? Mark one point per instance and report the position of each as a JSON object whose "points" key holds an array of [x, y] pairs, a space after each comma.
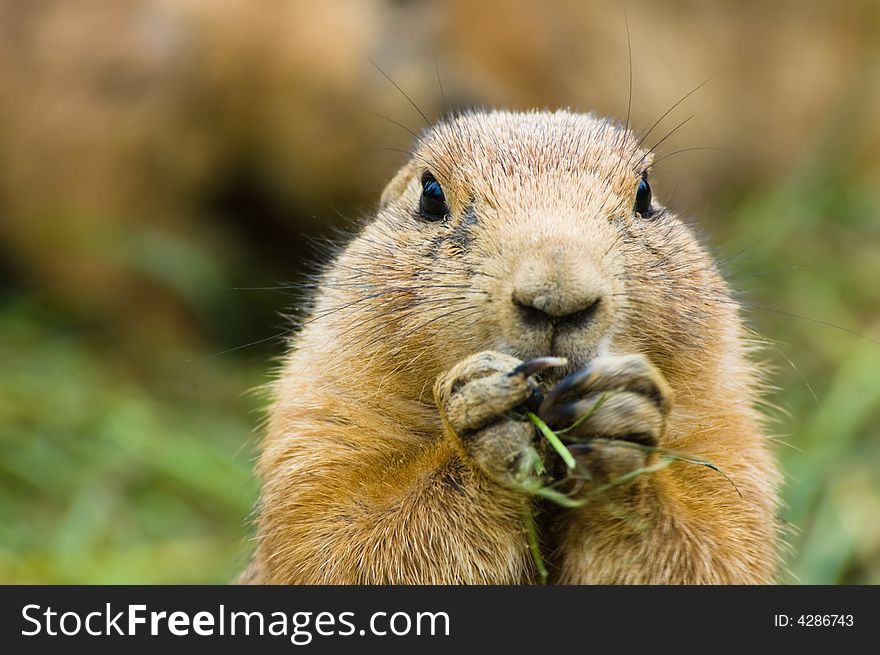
{"points": [[543, 306]]}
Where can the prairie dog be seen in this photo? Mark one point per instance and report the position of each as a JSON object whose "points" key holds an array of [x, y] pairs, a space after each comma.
{"points": [[518, 261]]}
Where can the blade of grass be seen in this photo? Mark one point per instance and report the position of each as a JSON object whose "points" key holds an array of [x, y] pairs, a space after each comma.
{"points": [[673, 455], [593, 410], [535, 545], [626, 477], [555, 441]]}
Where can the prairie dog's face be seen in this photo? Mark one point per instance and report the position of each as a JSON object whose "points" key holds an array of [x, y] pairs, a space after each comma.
{"points": [[535, 234]]}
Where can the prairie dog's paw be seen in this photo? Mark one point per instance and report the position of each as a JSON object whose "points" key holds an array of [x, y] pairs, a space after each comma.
{"points": [[616, 398], [478, 401]]}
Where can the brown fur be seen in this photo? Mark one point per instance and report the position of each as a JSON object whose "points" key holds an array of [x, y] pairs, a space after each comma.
{"points": [[382, 465]]}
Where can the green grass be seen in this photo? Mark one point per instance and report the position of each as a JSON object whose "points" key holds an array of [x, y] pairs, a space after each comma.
{"points": [[104, 479], [811, 271]]}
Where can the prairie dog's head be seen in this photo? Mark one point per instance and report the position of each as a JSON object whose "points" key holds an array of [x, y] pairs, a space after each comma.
{"points": [[533, 234]]}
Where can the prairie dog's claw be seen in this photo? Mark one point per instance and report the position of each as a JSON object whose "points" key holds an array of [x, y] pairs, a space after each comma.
{"points": [[532, 366], [615, 396], [612, 373]]}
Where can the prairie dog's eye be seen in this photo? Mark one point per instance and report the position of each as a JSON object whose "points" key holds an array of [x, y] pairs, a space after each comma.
{"points": [[643, 198], [432, 204]]}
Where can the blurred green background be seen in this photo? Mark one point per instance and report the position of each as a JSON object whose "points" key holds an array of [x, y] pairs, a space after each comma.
{"points": [[164, 164]]}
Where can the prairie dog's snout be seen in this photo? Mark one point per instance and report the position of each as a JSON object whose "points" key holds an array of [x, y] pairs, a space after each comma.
{"points": [[556, 293]]}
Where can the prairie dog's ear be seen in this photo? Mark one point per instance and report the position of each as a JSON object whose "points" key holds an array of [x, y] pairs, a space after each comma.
{"points": [[396, 186]]}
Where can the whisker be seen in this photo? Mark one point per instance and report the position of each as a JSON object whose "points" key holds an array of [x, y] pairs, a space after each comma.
{"points": [[678, 152], [799, 374], [773, 271], [397, 86], [393, 122], [402, 151], [811, 320], [668, 134], [284, 287], [440, 84], [441, 317], [630, 60], [668, 111], [248, 345]]}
